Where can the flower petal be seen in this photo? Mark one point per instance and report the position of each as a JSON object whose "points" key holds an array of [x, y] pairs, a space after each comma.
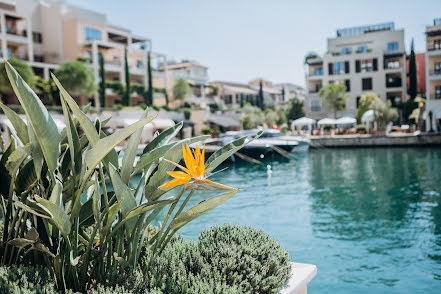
{"points": [[188, 159], [179, 175], [178, 165], [173, 183]]}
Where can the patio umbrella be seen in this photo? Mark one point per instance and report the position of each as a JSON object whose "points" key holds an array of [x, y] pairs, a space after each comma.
{"points": [[346, 120], [303, 121], [367, 117], [327, 121]]}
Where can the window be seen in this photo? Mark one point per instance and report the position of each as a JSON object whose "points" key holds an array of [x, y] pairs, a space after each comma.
{"points": [[88, 56], [318, 71], [437, 44], [392, 46], [339, 68], [366, 65], [348, 85], [366, 84], [92, 34], [37, 37], [139, 64], [362, 49], [316, 105], [437, 68], [438, 92], [345, 51]]}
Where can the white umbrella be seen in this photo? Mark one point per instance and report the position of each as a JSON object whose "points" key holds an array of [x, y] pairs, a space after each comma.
{"points": [[327, 121], [303, 121], [346, 120], [368, 116]]}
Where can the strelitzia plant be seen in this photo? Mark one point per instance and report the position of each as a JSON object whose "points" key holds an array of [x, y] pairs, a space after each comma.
{"points": [[66, 202]]}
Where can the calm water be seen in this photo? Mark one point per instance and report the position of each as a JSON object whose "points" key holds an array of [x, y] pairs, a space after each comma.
{"points": [[370, 219]]}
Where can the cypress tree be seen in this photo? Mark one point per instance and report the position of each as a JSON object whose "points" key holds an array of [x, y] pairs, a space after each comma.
{"points": [[126, 96], [260, 98], [412, 73], [102, 89], [149, 98], [241, 100]]}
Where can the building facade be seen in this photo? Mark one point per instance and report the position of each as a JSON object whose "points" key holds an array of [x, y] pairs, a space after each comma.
{"points": [[433, 76], [46, 33], [365, 59]]}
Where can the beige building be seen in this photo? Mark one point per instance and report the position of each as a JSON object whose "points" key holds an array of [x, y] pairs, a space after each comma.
{"points": [[433, 76], [46, 33], [365, 59]]}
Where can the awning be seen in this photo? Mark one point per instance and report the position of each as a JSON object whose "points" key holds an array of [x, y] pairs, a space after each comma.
{"points": [[327, 121], [303, 121]]}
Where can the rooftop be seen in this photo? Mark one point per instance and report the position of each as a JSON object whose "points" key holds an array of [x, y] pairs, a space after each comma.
{"points": [[353, 31]]}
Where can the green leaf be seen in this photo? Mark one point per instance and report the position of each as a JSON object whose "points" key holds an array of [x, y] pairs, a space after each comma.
{"points": [[59, 217], [105, 145], [206, 186], [226, 151], [26, 178], [122, 193], [111, 214], [85, 123], [38, 211], [147, 206], [164, 138], [16, 159], [37, 153], [56, 193], [20, 242], [130, 153], [42, 123], [19, 125], [73, 139], [199, 209]]}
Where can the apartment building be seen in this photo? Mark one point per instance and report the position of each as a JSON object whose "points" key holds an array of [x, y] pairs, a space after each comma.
{"points": [[433, 76], [369, 58], [46, 33]]}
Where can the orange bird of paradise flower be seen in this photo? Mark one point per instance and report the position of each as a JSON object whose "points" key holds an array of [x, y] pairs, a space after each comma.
{"points": [[194, 169]]}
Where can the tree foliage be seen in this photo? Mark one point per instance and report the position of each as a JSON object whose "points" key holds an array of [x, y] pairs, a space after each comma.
{"points": [[311, 55], [412, 73], [181, 90], [295, 109], [102, 85], [22, 68], [384, 113], [366, 103], [334, 97], [149, 97], [126, 96], [77, 78]]}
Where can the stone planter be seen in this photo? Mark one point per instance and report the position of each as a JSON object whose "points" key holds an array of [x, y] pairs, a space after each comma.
{"points": [[302, 274]]}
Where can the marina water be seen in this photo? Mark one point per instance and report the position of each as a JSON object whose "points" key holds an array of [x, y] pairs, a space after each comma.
{"points": [[370, 219]]}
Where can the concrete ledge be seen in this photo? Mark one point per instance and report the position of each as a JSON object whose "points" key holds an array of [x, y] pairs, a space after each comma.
{"points": [[391, 140], [302, 274]]}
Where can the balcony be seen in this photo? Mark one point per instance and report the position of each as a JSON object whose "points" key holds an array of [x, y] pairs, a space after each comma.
{"points": [[436, 96], [393, 83], [435, 74]]}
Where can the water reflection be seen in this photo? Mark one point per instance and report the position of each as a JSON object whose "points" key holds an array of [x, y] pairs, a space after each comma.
{"points": [[385, 205]]}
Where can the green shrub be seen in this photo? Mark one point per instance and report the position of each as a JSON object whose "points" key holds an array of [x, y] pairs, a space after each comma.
{"points": [[118, 106], [328, 127], [361, 128], [166, 108], [186, 112], [246, 257], [142, 105]]}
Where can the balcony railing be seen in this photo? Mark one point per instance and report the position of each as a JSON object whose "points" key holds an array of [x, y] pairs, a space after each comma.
{"points": [[435, 96], [434, 47], [435, 73], [393, 84]]}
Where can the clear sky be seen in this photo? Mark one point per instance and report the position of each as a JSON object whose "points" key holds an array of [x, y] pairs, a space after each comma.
{"points": [[243, 39]]}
